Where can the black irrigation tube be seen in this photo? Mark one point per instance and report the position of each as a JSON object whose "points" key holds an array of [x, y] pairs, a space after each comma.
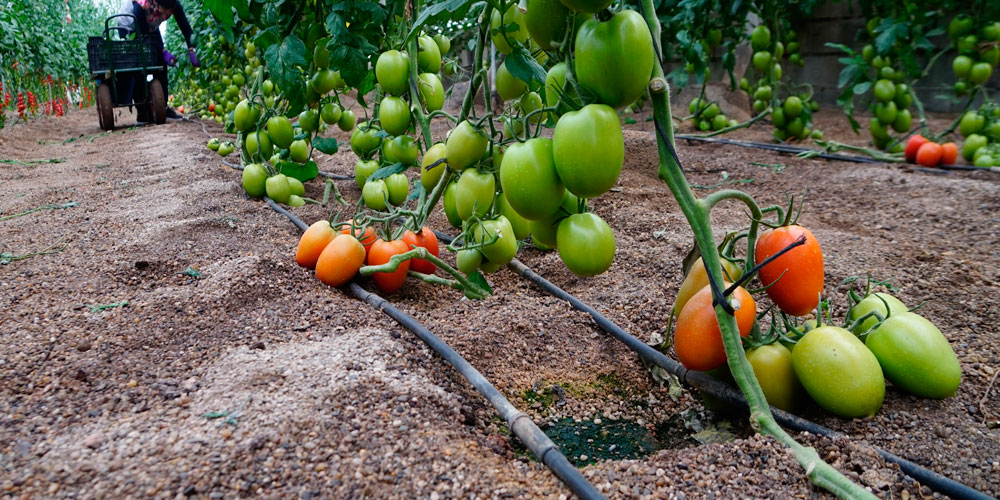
{"points": [[786, 148], [519, 423]]}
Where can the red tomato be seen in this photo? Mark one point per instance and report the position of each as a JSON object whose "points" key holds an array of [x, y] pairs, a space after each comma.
{"points": [[426, 239], [929, 155], [380, 253], [912, 146], [800, 269], [949, 153], [697, 339], [340, 260], [366, 239]]}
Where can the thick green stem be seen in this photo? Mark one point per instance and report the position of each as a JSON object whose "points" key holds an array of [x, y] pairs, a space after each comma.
{"points": [[477, 65], [472, 290], [418, 110], [697, 213]]}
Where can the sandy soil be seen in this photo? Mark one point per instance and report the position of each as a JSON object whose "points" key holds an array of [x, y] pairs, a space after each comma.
{"points": [[256, 380]]}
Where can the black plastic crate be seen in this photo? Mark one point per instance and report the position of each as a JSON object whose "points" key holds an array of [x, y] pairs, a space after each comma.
{"points": [[125, 54]]}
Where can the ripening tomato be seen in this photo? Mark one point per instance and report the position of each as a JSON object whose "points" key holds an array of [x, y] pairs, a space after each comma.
{"points": [[340, 260], [380, 253], [425, 239], [800, 269], [949, 153], [929, 155], [366, 237], [772, 365], [697, 338], [912, 146], [312, 243], [614, 58], [839, 372], [915, 356], [697, 278]]}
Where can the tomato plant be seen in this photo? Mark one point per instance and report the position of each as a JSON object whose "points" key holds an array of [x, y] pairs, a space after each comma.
{"points": [[839, 372]]}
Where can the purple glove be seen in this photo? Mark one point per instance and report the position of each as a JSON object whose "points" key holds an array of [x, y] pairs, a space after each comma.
{"points": [[193, 57], [169, 58]]}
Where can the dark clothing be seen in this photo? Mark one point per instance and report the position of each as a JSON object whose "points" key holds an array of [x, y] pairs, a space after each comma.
{"points": [[148, 23]]}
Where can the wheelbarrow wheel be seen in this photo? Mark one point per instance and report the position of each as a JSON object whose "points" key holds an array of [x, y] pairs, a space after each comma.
{"points": [[157, 102], [105, 107]]}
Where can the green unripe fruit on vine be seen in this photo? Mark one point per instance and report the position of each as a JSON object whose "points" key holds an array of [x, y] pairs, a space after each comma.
{"points": [[793, 107], [878, 62], [763, 93], [762, 61], [967, 43], [760, 38], [759, 106], [710, 112], [903, 121], [885, 90], [719, 122], [779, 50], [886, 111], [778, 118]]}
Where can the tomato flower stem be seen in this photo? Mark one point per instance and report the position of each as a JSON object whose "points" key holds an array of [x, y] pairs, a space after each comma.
{"points": [[471, 289]]}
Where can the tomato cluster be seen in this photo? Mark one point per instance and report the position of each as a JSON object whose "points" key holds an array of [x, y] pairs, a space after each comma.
{"points": [[981, 130], [707, 116], [928, 153], [978, 49]]}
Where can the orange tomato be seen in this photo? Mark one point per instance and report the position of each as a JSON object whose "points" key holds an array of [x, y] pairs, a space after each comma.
{"points": [[340, 260], [800, 269], [366, 238], [380, 253], [949, 153], [312, 243], [912, 146], [426, 239], [929, 155], [697, 338]]}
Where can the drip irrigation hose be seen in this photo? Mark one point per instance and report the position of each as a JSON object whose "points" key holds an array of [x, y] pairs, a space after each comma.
{"points": [[519, 423], [786, 148], [727, 393]]}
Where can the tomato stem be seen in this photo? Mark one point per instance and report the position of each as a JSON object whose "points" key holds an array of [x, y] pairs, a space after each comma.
{"points": [[471, 289]]}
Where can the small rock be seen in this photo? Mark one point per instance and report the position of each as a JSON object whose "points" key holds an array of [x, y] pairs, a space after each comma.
{"points": [[93, 441], [190, 384]]}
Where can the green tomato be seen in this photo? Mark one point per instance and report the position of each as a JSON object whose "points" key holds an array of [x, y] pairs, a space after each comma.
{"points": [[399, 188], [431, 91], [980, 73], [363, 170], [258, 142], [878, 130], [760, 38], [401, 149], [886, 111], [990, 55], [903, 99], [587, 6], [792, 107], [555, 81], [961, 66], [392, 71], [772, 365], [839, 372], [983, 161], [504, 248], [429, 177], [904, 119], [885, 90], [267, 87], [776, 71], [468, 261], [375, 194], [915, 356], [960, 25], [465, 146], [475, 193], [279, 129], [277, 188], [719, 122], [428, 55], [321, 57], [586, 244], [614, 58], [443, 43], [394, 114], [213, 144], [521, 226], [546, 22], [887, 72], [449, 205], [254, 177], [296, 187], [330, 113], [299, 151], [589, 150], [874, 303], [710, 112], [326, 80], [509, 86], [796, 127], [529, 179], [296, 201], [763, 93], [364, 140], [226, 148], [530, 102], [762, 61], [993, 131], [972, 144], [967, 44], [346, 122], [991, 32], [498, 28], [450, 68], [243, 116], [309, 120], [971, 123]]}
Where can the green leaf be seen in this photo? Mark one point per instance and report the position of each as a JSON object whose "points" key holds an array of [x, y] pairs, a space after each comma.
{"points": [[301, 171], [520, 64], [454, 9], [267, 38], [282, 63], [861, 88], [243, 9], [328, 145], [416, 192], [222, 10], [478, 278], [382, 173]]}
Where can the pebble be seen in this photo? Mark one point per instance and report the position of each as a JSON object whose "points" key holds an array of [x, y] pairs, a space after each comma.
{"points": [[93, 441]]}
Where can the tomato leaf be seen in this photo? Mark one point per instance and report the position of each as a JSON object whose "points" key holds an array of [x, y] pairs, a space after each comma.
{"points": [[301, 171], [416, 192], [520, 64], [478, 278], [328, 145], [222, 10], [455, 9], [382, 173], [267, 38], [282, 63]]}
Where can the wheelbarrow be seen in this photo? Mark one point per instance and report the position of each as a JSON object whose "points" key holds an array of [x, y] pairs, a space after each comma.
{"points": [[123, 63]]}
